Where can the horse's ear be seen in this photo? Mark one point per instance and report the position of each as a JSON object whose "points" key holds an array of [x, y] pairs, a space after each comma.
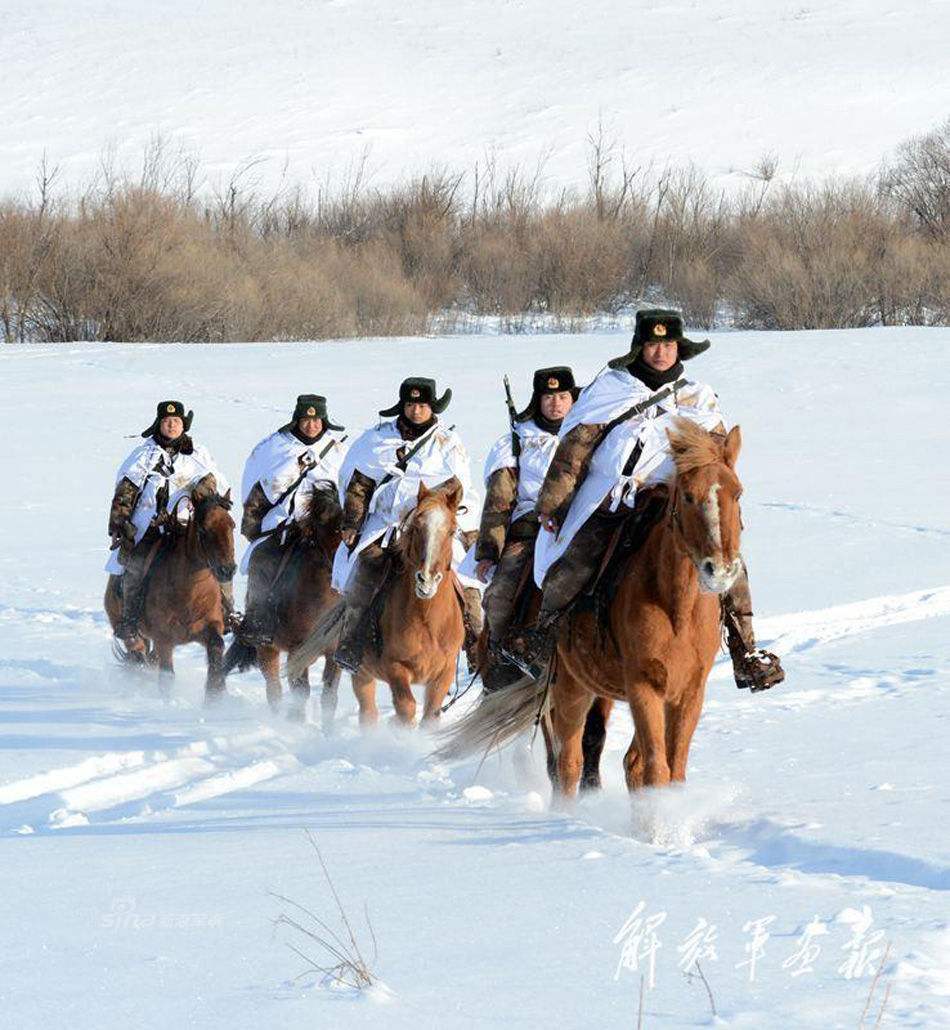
{"points": [[424, 492], [453, 494], [733, 446]]}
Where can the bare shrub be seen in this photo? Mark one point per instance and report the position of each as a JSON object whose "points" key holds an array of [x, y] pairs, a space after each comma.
{"points": [[919, 179]]}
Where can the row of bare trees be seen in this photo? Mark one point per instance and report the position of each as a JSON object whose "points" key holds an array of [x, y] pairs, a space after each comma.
{"points": [[156, 256]]}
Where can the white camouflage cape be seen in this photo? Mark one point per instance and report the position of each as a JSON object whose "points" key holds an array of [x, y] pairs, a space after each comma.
{"points": [[537, 450], [149, 467], [374, 454], [608, 396], [275, 463]]}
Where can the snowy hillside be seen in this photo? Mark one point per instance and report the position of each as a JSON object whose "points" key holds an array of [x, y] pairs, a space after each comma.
{"points": [[139, 841], [824, 86]]}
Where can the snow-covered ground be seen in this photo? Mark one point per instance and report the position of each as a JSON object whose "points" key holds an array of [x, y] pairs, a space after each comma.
{"points": [[139, 840], [308, 86]]}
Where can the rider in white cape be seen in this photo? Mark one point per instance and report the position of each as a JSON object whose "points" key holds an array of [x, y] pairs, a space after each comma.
{"points": [[379, 487], [598, 469], [281, 475], [155, 483]]}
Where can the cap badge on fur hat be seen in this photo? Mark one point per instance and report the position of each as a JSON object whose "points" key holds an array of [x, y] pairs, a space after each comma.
{"points": [[415, 393], [170, 408], [553, 383], [659, 329], [311, 411]]}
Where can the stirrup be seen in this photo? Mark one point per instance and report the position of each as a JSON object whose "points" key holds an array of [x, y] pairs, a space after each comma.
{"points": [[348, 655], [758, 670], [529, 650]]}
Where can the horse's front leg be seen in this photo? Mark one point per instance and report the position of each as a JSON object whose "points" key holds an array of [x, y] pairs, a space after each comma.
{"points": [[646, 762], [329, 695], [364, 687], [268, 661], [214, 648], [166, 668], [436, 694], [299, 696], [403, 700], [681, 720]]}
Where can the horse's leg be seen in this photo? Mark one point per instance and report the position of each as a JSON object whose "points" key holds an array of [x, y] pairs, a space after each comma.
{"points": [[571, 704], [403, 701], [649, 720], [214, 648], [550, 750], [364, 687], [436, 694], [595, 735], [329, 694], [681, 720], [268, 661], [299, 696], [166, 668]]}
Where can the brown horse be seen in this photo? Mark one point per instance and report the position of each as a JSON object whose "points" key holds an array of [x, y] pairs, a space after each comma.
{"points": [[665, 622], [183, 601], [420, 620], [301, 594]]}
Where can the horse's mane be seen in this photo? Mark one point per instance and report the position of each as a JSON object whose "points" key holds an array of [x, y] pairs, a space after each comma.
{"points": [[323, 514], [693, 447], [432, 499]]}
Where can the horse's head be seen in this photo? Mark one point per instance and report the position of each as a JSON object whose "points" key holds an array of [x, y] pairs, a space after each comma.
{"points": [[214, 532], [706, 501], [426, 542]]}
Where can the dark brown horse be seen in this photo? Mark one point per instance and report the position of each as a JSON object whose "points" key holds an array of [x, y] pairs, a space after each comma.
{"points": [[665, 620], [420, 620], [183, 601], [301, 595]]}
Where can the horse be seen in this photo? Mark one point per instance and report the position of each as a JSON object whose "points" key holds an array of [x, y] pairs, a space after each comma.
{"points": [[183, 602], [420, 616], [665, 629], [301, 594]]}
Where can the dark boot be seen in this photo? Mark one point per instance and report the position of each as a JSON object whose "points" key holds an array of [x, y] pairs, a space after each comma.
{"points": [[259, 624], [352, 645], [133, 600], [365, 583], [499, 673], [753, 668]]}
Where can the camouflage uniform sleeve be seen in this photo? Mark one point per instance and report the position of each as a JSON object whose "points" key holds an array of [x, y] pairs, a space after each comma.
{"points": [[359, 491], [567, 471], [123, 501], [255, 508], [500, 497]]}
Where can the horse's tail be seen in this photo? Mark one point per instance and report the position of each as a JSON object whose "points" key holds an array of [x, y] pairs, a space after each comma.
{"points": [[238, 656], [499, 717], [323, 637]]}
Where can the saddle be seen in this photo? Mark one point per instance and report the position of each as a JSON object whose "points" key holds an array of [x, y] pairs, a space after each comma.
{"points": [[628, 537]]}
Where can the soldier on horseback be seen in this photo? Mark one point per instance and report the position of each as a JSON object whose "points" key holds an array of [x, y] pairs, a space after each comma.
{"points": [[608, 452], [280, 476], [379, 485], [151, 484], [514, 471]]}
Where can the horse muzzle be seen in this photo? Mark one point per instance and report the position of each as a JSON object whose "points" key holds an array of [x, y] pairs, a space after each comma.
{"points": [[717, 576], [427, 586]]}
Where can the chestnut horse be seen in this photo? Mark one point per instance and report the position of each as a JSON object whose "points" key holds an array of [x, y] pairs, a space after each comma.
{"points": [[665, 620], [420, 620], [183, 592], [301, 594]]}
